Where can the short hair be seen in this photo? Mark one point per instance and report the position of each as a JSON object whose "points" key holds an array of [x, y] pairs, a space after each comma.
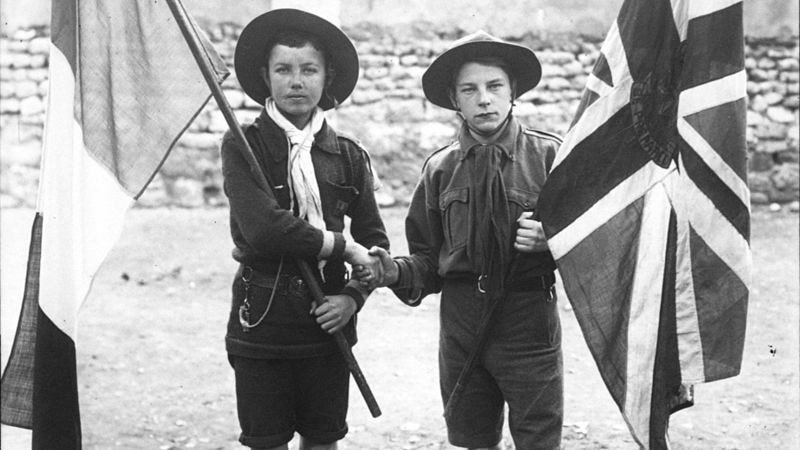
{"points": [[299, 39]]}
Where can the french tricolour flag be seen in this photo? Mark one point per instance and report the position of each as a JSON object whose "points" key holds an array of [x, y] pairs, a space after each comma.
{"points": [[123, 87]]}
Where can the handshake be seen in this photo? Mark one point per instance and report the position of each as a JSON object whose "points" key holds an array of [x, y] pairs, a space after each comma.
{"points": [[372, 268]]}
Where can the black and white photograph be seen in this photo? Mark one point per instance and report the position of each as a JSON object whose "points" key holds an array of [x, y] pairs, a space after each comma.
{"points": [[383, 225]]}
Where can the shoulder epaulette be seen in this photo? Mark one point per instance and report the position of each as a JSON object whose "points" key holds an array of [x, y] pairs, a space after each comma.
{"points": [[352, 139], [436, 152], [543, 134]]}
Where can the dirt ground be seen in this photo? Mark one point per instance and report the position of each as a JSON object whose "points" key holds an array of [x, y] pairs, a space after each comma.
{"points": [[153, 372]]}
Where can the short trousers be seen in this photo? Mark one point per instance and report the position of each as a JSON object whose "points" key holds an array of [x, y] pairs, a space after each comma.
{"points": [[521, 366], [277, 397]]}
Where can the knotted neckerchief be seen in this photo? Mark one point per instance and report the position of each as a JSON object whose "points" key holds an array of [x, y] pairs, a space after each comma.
{"points": [[489, 234], [303, 187]]}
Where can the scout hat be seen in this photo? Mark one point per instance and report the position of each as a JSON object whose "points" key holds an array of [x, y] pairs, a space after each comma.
{"points": [[251, 53], [522, 62]]}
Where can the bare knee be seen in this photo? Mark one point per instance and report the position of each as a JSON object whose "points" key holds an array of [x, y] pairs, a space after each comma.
{"points": [[307, 444]]}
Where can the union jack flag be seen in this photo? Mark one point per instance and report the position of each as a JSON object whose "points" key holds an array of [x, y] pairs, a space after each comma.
{"points": [[647, 209]]}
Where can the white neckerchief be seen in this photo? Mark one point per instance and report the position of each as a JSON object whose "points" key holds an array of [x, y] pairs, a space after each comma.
{"points": [[302, 182]]}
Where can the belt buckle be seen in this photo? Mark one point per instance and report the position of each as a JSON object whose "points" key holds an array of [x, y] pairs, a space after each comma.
{"points": [[481, 279]]}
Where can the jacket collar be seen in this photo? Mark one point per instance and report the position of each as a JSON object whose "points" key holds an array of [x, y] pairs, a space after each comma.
{"points": [[277, 142], [506, 141]]}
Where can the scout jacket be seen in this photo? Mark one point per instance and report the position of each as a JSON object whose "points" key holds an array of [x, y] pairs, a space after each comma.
{"points": [[264, 228], [437, 221]]}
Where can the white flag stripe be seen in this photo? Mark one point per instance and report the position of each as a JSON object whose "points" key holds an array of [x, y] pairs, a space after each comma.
{"points": [[690, 348], [715, 229], [82, 205], [645, 309], [699, 8], [597, 85], [615, 55], [680, 13], [627, 192], [596, 115], [714, 161], [714, 93]]}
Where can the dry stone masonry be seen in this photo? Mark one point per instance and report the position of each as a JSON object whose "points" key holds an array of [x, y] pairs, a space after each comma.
{"points": [[389, 113]]}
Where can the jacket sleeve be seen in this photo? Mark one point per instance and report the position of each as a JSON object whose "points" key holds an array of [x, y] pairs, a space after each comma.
{"points": [[419, 271], [265, 226], [366, 225]]}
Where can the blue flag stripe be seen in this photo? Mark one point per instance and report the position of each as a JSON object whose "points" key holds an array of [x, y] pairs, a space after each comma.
{"points": [[594, 167], [715, 47]]}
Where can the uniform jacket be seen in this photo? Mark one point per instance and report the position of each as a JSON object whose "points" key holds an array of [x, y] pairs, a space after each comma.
{"points": [[264, 228], [437, 221]]}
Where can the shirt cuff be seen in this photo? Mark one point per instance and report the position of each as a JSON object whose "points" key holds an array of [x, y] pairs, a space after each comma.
{"points": [[356, 294], [404, 286], [332, 245]]}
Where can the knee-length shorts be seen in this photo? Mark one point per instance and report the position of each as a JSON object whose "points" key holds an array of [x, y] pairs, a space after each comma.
{"points": [[521, 366]]}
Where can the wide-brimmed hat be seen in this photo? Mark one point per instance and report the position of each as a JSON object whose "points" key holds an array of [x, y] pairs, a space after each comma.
{"points": [[522, 62], [251, 53]]}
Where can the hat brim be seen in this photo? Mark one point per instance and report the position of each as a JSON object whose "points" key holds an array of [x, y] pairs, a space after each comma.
{"points": [[522, 62], [250, 55]]}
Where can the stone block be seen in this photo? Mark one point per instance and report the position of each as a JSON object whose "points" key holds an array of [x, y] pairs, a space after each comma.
{"points": [[26, 89], [759, 182], [791, 102], [758, 103], [790, 155], [759, 198], [759, 162], [39, 45], [552, 71], [38, 75], [788, 65], [555, 57], [373, 73], [758, 75], [38, 61], [785, 177], [753, 88], [773, 98], [750, 63], [9, 106], [8, 90], [766, 63], [780, 114]]}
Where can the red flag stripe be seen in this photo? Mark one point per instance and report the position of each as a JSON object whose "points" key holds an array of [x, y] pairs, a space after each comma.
{"points": [[714, 161]]}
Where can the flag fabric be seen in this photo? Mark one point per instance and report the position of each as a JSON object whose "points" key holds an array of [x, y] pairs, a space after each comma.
{"points": [[123, 86], [646, 209]]}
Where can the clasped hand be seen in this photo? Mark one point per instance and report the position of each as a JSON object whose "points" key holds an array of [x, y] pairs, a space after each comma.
{"points": [[372, 268]]}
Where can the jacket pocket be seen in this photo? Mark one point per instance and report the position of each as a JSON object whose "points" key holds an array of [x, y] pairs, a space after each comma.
{"points": [[454, 206], [520, 200], [341, 197]]}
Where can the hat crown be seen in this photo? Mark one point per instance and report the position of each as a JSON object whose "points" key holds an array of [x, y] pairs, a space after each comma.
{"points": [[478, 36]]}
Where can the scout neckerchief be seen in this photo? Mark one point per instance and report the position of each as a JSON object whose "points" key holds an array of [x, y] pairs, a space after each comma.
{"points": [[489, 235], [303, 187]]}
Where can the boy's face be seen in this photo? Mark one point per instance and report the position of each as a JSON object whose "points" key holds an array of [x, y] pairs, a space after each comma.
{"points": [[296, 78], [483, 95]]}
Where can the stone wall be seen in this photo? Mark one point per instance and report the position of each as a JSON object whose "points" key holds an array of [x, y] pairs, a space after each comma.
{"points": [[389, 114]]}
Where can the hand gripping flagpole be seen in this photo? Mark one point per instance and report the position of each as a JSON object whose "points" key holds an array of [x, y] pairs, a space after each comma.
{"points": [[189, 33]]}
